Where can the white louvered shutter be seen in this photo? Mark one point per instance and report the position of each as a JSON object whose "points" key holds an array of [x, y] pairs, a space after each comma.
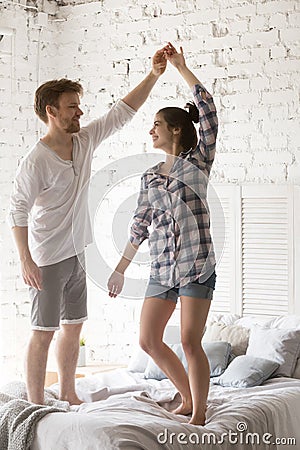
{"points": [[266, 252], [258, 262], [295, 300], [223, 203]]}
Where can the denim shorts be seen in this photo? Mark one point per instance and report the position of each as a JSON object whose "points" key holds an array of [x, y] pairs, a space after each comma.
{"points": [[197, 290]]}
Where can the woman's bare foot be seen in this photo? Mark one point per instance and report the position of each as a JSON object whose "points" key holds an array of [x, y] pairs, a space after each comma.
{"points": [[185, 408], [199, 418], [74, 400]]}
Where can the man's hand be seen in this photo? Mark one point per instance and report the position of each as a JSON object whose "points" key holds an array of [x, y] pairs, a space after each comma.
{"points": [[115, 284], [32, 274], [172, 55], [136, 98], [159, 63]]}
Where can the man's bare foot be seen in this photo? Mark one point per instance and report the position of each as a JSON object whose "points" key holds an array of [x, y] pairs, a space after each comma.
{"points": [[185, 408]]}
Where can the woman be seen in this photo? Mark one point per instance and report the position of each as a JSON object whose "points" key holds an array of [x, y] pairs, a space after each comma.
{"points": [[173, 200]]}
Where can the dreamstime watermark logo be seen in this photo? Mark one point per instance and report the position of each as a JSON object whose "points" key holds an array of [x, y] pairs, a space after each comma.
{"points": [[111, 196], [239, 437]]}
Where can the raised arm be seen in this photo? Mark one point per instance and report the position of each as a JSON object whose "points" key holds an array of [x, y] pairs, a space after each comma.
{"points": [[140, 93], [123, 110], [208, 119], [178, 61]]}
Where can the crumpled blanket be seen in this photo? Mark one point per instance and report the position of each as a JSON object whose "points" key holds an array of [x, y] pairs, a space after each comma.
{"points": [[18, 417]]}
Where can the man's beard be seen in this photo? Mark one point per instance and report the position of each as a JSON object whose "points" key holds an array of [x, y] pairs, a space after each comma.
{"points": [[72, 128]]}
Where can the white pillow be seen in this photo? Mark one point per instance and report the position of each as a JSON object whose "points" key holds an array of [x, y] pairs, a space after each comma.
{"points": [[226, 319], [284, 322], [172, 334], [246, 371], [237, 336], [217, 353], [281, 346], [138, 362], [249, 321], [153, 371]]}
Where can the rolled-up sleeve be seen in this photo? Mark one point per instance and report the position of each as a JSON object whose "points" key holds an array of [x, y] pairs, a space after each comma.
{"points": [[208, 122], [142, 217], [27, 186]]}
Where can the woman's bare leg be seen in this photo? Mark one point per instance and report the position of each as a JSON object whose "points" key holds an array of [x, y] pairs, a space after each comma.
{"points": [[154, 317], [194, 313]]}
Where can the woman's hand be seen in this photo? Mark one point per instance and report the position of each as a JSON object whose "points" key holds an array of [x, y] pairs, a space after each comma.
{"points": [[115, 284], [172, 55], [159, 63], [178, 61]]}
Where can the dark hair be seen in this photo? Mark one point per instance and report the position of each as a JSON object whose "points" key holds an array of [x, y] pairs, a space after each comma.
{"points": [[178, 117], [49, 93]]}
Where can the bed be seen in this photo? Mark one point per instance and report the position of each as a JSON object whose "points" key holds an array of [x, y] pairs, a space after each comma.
{"points": [[257, 408], [134, 415]]}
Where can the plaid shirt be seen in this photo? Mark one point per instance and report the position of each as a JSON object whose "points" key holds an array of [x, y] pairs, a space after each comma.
{"points": [[181, 247]]}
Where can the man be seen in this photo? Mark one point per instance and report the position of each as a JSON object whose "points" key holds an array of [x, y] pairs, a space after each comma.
{"points": [[47, 185]]}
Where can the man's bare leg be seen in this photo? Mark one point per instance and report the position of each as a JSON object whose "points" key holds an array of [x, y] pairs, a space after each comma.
{"points": [[67, 349], [35, 365]]}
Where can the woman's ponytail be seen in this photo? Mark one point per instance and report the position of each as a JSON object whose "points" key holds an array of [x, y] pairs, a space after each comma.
{"points": [[193, 111]]}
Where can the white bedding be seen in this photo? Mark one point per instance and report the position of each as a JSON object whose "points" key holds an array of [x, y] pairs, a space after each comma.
{"points": [[125, 411]]}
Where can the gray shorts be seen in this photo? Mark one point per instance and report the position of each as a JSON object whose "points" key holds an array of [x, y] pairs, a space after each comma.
{"points": [[63, 298], [197, 290]]}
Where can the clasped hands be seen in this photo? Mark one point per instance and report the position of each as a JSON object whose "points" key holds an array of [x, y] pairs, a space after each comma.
{"points": [[167, 53]]}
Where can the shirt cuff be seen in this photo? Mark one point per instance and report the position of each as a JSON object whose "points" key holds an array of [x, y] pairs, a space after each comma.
{"points": [[16, 220], [137, 240], [126, 107], [197, 89]]}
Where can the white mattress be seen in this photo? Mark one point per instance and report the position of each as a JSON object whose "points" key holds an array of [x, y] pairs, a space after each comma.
{"points": [[125, 411]]}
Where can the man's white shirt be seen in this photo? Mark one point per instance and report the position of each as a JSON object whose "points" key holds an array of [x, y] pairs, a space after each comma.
{"points": [[48, 188]]}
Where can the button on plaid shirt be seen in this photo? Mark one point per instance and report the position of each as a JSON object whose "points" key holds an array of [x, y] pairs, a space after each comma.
{"points": [[181, 247]]}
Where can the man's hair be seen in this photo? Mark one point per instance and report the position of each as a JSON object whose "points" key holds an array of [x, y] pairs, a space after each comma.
{"points": [[49, 93]]}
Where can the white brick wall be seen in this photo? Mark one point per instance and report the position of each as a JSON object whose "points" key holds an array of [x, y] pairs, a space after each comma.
{"points": [[247, 55]]}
